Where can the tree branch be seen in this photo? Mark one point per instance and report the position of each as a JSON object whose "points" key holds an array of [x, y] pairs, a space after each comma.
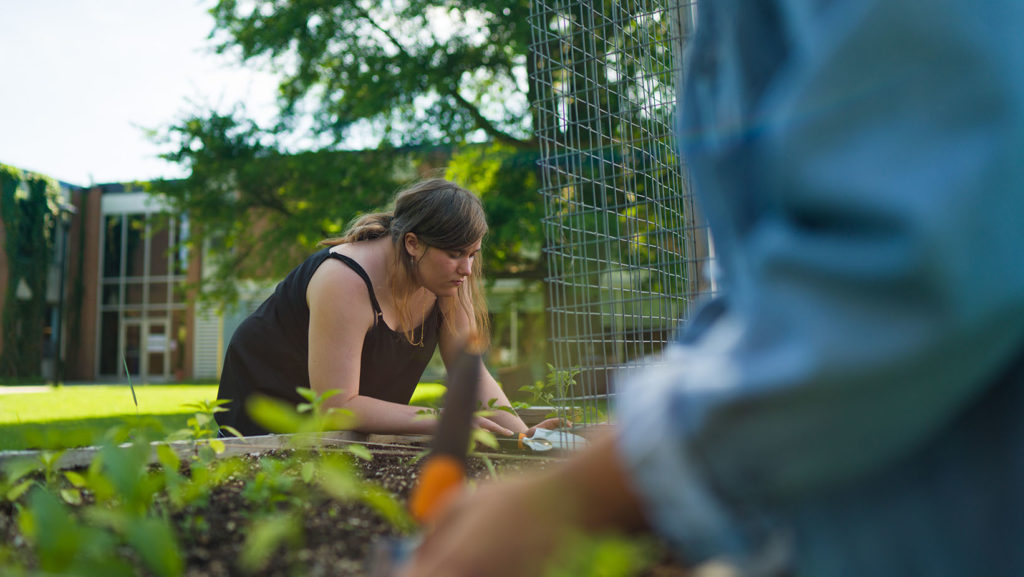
{"points": [[481, 121]]}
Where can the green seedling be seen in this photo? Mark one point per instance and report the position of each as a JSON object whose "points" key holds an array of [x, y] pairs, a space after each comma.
{"points": [[62, 544], [87, 539], [202, 428], [275, 484], [337, 476], [556, 385], [312, 416], [22, 474], [267, 535]]}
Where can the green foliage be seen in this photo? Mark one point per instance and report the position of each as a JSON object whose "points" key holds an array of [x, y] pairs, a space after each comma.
{"points": [[84, 432], [266, 536], [312, 416], [272, 485], [66, 417], [263, 208], [88, 538], [29, 210], [422, 71], [506, 178], [557, 384], [203, 430], [479, 437], [315, 403], [121, 524], [426, 77], [83, 521], [606, 555], [63, 544]]}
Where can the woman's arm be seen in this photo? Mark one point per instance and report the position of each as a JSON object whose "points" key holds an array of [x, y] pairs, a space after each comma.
{"points": [[451, 343], [340, 314]]}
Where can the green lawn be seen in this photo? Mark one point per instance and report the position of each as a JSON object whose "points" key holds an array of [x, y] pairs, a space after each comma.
{"points": [[79, 415], [73, 416]]}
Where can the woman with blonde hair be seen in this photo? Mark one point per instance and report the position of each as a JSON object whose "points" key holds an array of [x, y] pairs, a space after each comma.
{"points": [[363, 317]]}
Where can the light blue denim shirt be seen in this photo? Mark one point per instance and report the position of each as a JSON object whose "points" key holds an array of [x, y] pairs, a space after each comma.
{"points": [[860, 398]]}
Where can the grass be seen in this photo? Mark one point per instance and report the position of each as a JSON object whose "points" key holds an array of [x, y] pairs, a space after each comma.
{"points": [[74, 416], [69, 416], [427, 395]]}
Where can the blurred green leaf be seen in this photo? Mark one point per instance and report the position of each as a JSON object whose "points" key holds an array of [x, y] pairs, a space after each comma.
{"points": [[167, 457], [18, 468], [76, 479], [71, 496], [18, 490], [274, 415], [388, 506], [308, 471], [266, 536], [339, 478], [483, 437], [360, 451], [154, 540]]}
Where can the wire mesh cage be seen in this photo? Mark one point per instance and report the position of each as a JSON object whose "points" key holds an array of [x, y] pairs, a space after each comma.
{"points": [[625, 245]]}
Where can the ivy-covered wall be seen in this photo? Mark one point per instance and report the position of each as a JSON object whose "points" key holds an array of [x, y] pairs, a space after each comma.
{"points": [[29, 207]]}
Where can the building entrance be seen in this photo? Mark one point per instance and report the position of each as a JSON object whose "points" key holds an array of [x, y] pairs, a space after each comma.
{"points": [[146, 349]]}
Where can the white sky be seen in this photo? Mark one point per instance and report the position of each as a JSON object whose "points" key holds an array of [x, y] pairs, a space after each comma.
{"points": [[81, 80]]}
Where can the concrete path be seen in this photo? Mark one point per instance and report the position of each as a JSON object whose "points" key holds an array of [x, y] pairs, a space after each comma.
{"points": [[25, 389]]}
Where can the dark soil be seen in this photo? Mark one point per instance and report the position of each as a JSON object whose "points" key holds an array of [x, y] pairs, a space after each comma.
{"points": [[336, 537]]}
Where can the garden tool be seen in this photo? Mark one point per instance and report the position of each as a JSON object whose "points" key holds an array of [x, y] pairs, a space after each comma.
{"points": [[548, 439], [444, 469]]}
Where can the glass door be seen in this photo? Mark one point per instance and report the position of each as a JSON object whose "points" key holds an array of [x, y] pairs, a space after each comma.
{"points": [[157, 356], [146, 349]]}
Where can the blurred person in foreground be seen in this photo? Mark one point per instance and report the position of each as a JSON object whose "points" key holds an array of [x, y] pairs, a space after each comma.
{"points": [[854, 404]]}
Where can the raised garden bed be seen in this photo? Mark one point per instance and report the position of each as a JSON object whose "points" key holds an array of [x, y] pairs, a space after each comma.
{"points": [[261, 507]]}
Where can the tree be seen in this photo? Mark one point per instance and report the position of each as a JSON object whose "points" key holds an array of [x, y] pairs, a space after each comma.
{"points": [[258, 208], [441, 82], [417, 71], [430, 78]]}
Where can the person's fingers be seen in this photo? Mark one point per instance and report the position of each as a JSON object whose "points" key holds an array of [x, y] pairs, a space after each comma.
{"points": [[489, 425], [555, 423]]}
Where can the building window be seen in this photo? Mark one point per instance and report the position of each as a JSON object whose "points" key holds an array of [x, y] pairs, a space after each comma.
{"points": [[142, 316]]}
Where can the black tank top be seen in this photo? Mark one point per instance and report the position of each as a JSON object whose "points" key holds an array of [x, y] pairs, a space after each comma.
{"points": [[269, 352]]}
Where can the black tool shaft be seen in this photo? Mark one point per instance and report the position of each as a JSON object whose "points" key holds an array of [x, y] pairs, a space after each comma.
{"points": [[453, 430]]}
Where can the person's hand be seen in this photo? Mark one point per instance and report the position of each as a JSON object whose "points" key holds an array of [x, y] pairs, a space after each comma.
{"points": [[489, 425], [552, 423], [500, 530], [512, 528]]}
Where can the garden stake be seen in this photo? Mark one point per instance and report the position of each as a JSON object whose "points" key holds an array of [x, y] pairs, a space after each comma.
{"points": [[444, 469]]}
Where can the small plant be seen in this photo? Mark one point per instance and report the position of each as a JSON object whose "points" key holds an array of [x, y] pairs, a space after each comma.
{"points": [[202, 428], [21, 475], [203, 425], [556, 386], [313, 416], [552, 391], [89, 537], [274, 484]]}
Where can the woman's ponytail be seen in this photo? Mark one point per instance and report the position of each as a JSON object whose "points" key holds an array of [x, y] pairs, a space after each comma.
{"points": [[367, 227]]}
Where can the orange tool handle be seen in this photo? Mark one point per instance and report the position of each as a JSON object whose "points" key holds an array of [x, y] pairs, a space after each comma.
{"points": [[440, 478]]}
